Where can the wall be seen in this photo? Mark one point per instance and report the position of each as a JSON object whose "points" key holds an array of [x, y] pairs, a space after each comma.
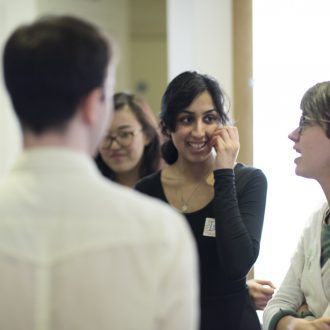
{"points": [[242, 100], [148, 50], [111, 15], [11, 14], [200, 38]]}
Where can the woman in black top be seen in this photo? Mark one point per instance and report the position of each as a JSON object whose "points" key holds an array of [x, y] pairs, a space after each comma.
{"points": [[223, 201]]}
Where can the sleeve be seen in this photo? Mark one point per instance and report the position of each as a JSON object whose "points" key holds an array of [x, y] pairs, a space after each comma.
{"points": [[239, 219], [289, 296], [178, 304]]}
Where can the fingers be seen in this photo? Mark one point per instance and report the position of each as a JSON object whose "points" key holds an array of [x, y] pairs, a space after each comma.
{"points": [[266, 287], [266, 282], [261, 305], [267, 290], [226, 144], [227, 133]]}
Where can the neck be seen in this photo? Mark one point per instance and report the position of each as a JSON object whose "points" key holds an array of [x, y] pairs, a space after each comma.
{"points": [[71, 139], [194, 171], [325, 184]]}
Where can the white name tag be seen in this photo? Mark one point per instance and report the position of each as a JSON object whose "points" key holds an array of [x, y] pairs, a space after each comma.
{"points": [[209, 227]]}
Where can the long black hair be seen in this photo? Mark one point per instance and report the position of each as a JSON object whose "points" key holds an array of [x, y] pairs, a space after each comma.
{"points": [[179, 94]]}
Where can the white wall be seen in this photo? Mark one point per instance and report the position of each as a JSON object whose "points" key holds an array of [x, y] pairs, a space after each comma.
{"points": [[200, 38], [12, 13]]}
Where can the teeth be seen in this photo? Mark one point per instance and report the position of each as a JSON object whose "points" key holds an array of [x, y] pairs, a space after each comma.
{"points": [[197, 145]]}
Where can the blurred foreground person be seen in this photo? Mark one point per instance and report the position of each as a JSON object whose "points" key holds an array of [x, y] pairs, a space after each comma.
{"points": [[77, 251]]}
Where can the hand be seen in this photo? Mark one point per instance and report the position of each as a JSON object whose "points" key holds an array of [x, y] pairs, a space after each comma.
{"points": [[303, 308], [225, 141], [322, 323], [293, 323], [261, 291]]}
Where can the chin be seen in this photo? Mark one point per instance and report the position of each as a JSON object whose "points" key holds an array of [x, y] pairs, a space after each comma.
{"points": [[302, 173], [298, 171]]}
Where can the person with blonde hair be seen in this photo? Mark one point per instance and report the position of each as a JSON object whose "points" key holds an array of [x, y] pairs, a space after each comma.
{"points": [[303, 299]]}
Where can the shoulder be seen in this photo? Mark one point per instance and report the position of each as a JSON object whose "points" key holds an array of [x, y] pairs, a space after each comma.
{"points": [[245, 174], [241, 169], [140, 216], [315, 220], [149, 182]]}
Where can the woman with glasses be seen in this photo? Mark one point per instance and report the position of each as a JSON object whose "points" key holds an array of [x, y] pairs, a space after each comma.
{"points": [[130, 149], [222, 200], [303, 299]]}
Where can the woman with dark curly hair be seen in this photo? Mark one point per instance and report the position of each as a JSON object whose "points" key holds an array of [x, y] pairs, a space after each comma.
{"points": [[222, 200]]}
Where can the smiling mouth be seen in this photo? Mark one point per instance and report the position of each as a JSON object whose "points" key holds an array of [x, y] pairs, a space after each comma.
{"points": [[117, 156], [197, 145]]}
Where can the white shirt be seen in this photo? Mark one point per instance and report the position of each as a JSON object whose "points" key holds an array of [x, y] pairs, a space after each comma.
{"points": [[305, 280], [80, 252]]}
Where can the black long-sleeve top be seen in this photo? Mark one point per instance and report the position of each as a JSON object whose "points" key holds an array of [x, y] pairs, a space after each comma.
{"points": [[238, 209]]}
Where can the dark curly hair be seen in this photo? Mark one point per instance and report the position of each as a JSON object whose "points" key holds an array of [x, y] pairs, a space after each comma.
{"points": [[179, 94]]}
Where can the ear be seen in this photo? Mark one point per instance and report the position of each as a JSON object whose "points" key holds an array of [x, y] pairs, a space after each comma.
{"points": [[90, 106], [164, 130]]}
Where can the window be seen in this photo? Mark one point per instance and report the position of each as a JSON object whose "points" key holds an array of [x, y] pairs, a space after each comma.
{"points": [[291, 52]]}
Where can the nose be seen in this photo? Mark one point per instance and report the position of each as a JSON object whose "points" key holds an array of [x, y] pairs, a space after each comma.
{"points": [[198, 129], [114, 145], [294, 135]]}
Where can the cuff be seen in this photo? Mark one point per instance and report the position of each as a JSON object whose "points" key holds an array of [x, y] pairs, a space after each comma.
{"points": [[280, 314]]}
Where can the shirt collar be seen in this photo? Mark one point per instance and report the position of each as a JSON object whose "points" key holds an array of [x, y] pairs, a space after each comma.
{"points": [[55, 159]]}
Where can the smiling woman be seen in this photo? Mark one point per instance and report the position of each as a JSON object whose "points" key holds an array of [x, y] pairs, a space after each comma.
{"points": [[222, 200], [131, 146]]}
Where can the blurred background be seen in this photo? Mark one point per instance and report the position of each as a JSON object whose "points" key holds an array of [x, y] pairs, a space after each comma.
{"points": [[157, 40]]}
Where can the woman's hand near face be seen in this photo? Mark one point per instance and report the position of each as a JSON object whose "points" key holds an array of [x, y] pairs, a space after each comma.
{"points": [[225, 141]]}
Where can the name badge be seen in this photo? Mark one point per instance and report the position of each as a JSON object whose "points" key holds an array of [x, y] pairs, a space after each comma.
{"points": [[209, 227]]}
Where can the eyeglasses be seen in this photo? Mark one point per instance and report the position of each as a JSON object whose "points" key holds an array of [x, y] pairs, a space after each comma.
{"points": [[305, 122], [123, 138]]}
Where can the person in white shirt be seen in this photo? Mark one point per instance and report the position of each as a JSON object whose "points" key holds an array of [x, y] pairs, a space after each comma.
{"points": [[76, 250], [303, 299]]}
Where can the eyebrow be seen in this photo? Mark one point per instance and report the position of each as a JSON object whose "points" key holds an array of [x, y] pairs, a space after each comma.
{"points": [[123, 127], [206, 112], [120, 128]]}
